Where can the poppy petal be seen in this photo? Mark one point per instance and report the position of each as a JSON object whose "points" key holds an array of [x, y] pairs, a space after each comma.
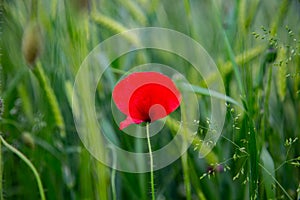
{"points": [[145, 97], [128, 121]]}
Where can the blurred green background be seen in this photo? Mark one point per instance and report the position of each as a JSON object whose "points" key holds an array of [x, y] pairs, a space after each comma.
{"points": [[256, 46]]}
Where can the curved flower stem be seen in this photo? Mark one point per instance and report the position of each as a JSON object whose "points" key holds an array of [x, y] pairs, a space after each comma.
{"points": [[29, 164], [151, 162]]}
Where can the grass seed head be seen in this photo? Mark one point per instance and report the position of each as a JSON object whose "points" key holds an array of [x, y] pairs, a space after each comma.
{"points": [[28, 140], [32, 43]]}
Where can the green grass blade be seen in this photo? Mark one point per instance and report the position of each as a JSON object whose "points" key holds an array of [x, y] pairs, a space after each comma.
{"points": [[207, 92], [270, 174], [268, 164], [253, 193], [229, 49]]}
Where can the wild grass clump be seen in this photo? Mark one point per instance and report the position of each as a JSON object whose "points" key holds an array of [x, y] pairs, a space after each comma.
{"points": [[256, 46]]}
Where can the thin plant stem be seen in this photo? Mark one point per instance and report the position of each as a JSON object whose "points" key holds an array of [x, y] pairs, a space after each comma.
{"points": [[151, 162], [28, 163]]}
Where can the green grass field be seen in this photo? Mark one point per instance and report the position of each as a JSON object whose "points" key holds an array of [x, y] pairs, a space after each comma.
{"points": [[255, 45]]}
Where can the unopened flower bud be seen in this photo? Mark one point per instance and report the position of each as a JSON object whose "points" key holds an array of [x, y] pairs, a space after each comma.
{"points": [[81, 5], [32, 42]]}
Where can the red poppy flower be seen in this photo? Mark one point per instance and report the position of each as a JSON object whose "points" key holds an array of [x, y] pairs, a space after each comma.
{"points": [[145, 97]]}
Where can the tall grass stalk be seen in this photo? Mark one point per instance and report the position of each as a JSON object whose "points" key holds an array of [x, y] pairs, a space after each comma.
{"points": [[101, 180], [186, 176], [109, 23], [228, 49], [250, 128], [266, 103], [135, 11], [283, 8], [184, 157], [34, 10], [241, 59]]}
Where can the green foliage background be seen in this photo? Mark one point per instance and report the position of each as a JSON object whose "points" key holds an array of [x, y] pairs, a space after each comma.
{"points": [[256, 46]]}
